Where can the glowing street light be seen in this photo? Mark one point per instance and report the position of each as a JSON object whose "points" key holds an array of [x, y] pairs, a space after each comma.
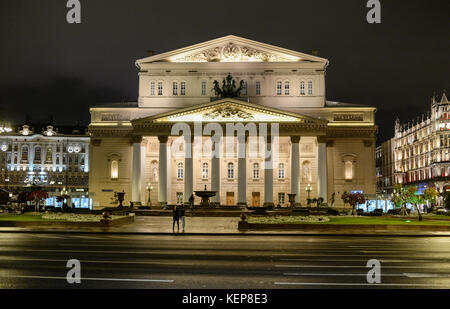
{"points": [[308, 189], [149, 189]]}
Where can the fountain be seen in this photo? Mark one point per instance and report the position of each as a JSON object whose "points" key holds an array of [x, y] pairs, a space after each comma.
{"points": [[205, 196]]}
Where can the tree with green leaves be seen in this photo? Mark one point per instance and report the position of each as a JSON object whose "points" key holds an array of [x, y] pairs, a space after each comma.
{"points": [[415, 199], [430, 194], [399, 198]]}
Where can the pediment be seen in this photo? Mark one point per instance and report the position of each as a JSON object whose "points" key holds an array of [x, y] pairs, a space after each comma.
{"points": [[231, 49], [229, 110]]}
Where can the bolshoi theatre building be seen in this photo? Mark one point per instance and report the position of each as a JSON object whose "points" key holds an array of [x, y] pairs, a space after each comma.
{"points": [[182, 136]]}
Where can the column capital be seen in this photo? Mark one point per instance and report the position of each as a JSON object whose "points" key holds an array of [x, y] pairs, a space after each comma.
{"points": [[295, 139], [163, 138], [321, 139], [136, 139]]}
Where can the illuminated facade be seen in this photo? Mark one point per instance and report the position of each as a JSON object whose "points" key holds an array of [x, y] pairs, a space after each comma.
{"points": [[421, 148], [46, 158], [323, 145]]}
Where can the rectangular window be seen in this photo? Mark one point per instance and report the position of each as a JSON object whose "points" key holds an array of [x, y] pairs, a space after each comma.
{"points": [[310, 87], [281, 171], [258, 88], [302, 88], [160, 88], [175, 88], [152, 88], [183, 88], [244, 88], [179, 197], [286, 88], [205, 171], [279, 88], [203, 88], [281, 198]]}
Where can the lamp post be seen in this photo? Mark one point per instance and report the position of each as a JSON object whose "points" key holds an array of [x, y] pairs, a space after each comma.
{"points": [[149, 189], [308, 189]]}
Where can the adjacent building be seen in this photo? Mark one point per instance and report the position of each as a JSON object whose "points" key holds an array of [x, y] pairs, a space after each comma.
{"points": [[56, 159], [322, 147], [418, 153]]}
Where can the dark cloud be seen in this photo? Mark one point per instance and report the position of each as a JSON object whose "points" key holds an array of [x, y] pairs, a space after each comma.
{"points": [[395, 66]]}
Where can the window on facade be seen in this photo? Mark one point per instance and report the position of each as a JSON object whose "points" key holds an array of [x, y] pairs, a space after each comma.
{"points": [[286, 88], [230, 170], [160, 88], [37, 154], [49, 155], [281, 171], [180, 171], [114, 169], [279, 87], [310, 87], [203, 88], [348, 170], [205, 171], [152, 88], [244, 88], [175, 88], [281, 198], [306, 168], [183, 88], [302, 88], [255, 171], [24, 154], [258, 88], [179, 197], [58, 161]]}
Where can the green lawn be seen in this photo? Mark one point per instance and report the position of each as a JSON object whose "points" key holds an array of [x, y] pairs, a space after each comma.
{"points": [[348, 221], [23, 218]]}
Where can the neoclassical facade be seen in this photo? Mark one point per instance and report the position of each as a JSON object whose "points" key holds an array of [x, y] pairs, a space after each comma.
{"points": [[180, 137]]}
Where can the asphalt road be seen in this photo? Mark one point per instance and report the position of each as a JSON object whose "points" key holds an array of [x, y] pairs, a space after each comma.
{"points": [[228, 262]]}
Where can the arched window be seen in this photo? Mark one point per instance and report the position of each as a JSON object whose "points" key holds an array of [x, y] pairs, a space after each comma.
{"points": [[306, 168], [258, 87], [175, 88], [49, 155], [160, 88], [37, 154], [183, 88], [24, 154], [302, 88], [203, 87], [310, 87], [114, 169], [152, 88], [286, 88], [281, 171], [180, 171], [279, 87], [205, 171], [230, 171], [255, 171]]}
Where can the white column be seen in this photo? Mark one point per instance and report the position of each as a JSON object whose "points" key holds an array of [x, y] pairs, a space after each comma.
{"points": [[242, 171], [86, 158], [188, 169], [268, 173], [295, 167], [322, 168], [215, 172], [162, 171], [136, 171]]}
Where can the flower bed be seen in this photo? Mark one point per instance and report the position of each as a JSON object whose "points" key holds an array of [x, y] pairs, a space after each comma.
{"points": [[289, 219], [71, 217]]}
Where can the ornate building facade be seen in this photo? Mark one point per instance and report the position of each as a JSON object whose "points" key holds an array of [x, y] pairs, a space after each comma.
{"points": [[420, 148], [48, 158], [322, 147]]}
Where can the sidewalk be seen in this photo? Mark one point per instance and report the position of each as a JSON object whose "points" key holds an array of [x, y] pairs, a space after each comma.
{"points": [[157, 225]]}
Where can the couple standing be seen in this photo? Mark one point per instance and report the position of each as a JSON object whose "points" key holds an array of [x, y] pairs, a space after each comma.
{"points": [[179, 212]]}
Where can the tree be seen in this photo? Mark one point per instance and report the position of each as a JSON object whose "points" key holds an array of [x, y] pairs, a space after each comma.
{"points": [[353, 199], [399, 198], [430, 194], [447, 201], [414, 199], [38, 196]]}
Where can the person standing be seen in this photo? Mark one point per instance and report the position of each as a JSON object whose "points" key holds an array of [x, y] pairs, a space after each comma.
{"points": [[183, 216], [176, 218]]}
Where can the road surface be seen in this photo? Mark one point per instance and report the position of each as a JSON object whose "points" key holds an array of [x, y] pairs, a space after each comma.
{"points": [[38, 260]]}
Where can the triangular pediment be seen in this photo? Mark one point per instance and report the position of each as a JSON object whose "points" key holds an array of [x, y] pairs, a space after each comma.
{"points": [[229, 110], [231, 49]]}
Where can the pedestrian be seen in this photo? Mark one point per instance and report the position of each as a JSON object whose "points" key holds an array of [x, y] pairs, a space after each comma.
{"points": [[176, 218], [191, 201], [183, 216]]}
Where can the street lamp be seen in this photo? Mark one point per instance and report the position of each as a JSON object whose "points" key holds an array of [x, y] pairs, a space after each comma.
{"points": [[149, 189], [308, 189]]}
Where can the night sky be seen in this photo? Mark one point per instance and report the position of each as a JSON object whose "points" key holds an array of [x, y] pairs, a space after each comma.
{"points": [[49, 67]]}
